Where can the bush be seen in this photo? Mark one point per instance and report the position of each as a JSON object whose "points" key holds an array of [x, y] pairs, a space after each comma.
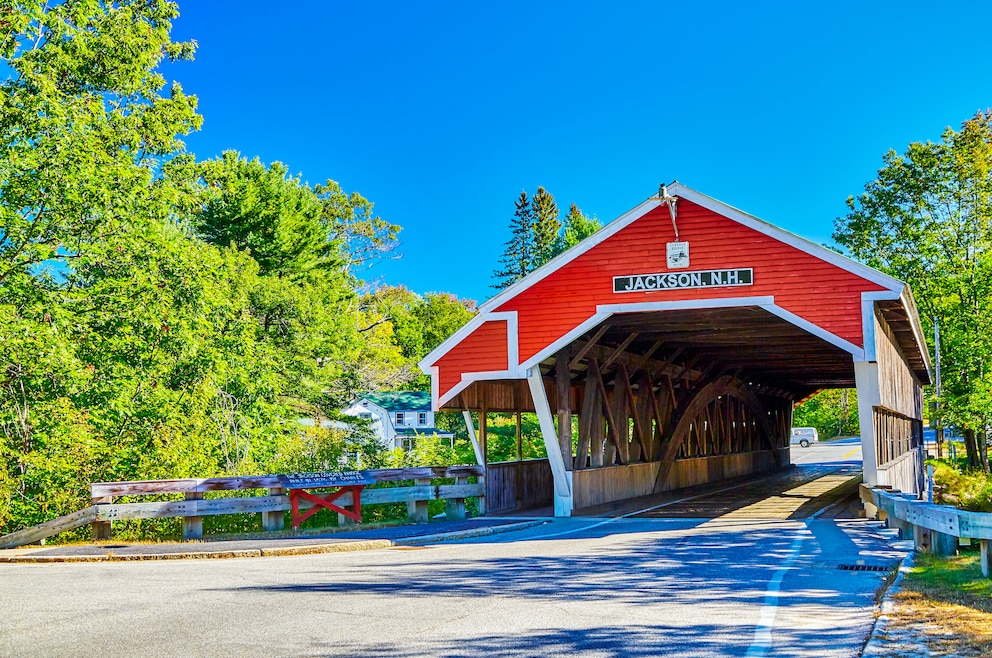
{"points": [[969, 491]]}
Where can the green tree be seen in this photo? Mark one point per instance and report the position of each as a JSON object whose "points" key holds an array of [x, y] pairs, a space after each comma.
{"points": [[518, 252], [88, 130], [269, 213], [833, 412], [85, 125], [927, 219], [418, 323], [547, 225], [577, 228]]}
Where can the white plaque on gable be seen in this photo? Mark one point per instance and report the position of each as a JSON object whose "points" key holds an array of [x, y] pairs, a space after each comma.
{"points": [[678, 255]]}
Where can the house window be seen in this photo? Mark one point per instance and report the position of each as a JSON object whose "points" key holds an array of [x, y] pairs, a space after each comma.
{"points": [[365, 415], [422, 418], [399, 418]]}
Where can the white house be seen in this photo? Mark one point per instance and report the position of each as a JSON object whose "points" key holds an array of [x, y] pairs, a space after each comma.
{"points": [[398, 418]]}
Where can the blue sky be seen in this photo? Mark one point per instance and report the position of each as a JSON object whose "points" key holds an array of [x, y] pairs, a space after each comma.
{"points": [[443, 112]]}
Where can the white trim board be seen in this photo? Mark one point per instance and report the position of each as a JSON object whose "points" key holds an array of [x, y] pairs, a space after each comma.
{"points": [[766, 302]]}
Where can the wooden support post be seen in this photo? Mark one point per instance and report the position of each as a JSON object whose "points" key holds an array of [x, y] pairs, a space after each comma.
{"points": [[563, 385], [193, 525], [620, 418], [985, 546], [275, 521], [483, 431], [474, 438], [520, 438], [866, 379], [612, 446], [454, 508], [905, 528], [102, 530], [944, 545], [931, 541], [587, 430], [417, 509], [562, 477]]}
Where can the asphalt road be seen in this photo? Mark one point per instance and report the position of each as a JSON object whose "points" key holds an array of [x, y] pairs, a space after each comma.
{"points": [[587, 586], [824, 452]]}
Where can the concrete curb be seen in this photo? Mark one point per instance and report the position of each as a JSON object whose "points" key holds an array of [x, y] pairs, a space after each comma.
{"points": [[880, 644], [310, 549]]}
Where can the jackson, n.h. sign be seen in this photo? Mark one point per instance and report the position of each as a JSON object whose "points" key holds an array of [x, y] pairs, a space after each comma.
{"points": [[675, 280]]}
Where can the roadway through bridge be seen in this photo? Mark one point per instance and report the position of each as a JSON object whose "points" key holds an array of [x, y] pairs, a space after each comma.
{"points": [[726, 584], [824, 482]]}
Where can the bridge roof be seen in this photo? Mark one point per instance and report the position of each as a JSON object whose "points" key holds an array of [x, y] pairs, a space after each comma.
{"points": [[749, 297]]}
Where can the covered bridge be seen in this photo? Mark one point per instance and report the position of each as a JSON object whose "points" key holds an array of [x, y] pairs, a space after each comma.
{"points": [[681, 335]]}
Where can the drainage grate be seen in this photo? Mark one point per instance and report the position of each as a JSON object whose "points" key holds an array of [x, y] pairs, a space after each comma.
{"points": [[863, 567]]}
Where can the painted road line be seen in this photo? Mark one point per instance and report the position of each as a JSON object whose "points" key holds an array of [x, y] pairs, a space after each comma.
{"points": [[766, 618], [848, 454]]}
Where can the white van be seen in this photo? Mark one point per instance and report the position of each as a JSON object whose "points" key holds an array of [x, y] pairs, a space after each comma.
{"points": [[804, 436]]}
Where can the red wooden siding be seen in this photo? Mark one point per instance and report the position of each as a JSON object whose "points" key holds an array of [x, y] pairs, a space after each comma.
{"points": [[482, 350], [815, 290]]}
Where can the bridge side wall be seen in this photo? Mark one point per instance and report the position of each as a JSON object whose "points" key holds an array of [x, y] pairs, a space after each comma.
{"points": [[890, 407], [595, 486]]}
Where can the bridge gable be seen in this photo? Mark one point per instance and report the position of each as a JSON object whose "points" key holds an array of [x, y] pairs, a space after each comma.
{"points": [[734, 259]]}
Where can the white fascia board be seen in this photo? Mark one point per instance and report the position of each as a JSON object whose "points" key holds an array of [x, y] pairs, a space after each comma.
{"points": [[791, 239], [604, 311], [815, 329], [572, 253], [909, 304], [435, 375], [687, 304], [868, 300]]}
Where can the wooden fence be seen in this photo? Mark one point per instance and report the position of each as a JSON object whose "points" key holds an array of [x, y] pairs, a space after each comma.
{"points": [[272, 507]]}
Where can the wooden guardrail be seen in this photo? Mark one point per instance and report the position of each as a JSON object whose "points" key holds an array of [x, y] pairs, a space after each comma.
{"points": [[934, 528], [105, 510]]}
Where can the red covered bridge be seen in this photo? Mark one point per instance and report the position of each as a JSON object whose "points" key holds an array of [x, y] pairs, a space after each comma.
{"points": [[682, 334]]}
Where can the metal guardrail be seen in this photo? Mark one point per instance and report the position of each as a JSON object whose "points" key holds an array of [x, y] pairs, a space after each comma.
{"points": [[934, 528], [105, 510]]}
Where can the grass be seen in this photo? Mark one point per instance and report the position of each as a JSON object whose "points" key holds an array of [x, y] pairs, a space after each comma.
{"points": [[949, 602]]}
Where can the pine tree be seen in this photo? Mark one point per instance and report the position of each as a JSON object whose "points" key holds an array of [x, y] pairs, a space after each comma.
{"points": [[518, 256], [546, 228]]}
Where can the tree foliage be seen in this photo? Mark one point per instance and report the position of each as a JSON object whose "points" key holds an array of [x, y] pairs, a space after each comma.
{"points": [[537, 235], [162, 317], [518, 252], [577, 228], [833, 412], [546, 228], [927, 219]]}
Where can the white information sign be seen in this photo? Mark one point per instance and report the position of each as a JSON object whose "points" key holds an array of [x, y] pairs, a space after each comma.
{"points": [[678, 255]]}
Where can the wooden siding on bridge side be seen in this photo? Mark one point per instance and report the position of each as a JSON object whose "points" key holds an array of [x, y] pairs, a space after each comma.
{"points": [[813, 289], [483, 350]]}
